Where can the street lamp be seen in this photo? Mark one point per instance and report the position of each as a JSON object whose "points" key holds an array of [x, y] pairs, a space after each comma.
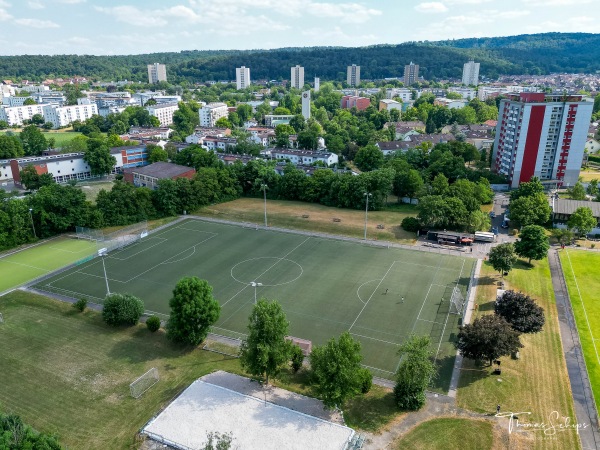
{"points": [[102, 252], [32, 225], [254, 284], [367, 195], [263, 186]]}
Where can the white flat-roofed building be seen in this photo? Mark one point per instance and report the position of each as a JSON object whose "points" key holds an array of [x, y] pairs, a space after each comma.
{"points": [[62, 116], [14, 101], [163, 112], [272, 120], [353, 75], [157, 72], [218, 143], [159, 97], [242, 77], [17, 114], [209, 114], [35, 88], [403, 93], [466, 93], [305, 157], [297, 77]]}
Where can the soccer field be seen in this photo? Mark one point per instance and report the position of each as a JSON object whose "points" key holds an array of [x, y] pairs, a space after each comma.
{"points": [[582, 274], [25, 265], [325, 286]]}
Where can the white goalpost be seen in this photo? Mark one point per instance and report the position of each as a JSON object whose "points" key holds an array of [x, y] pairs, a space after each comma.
{"points": [[143, 383], [1, 318], [457, 301]]}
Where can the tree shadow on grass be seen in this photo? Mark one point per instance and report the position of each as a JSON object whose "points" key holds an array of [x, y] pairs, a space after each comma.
{"points": [[522, 265], [486, 281], [473, 372]]}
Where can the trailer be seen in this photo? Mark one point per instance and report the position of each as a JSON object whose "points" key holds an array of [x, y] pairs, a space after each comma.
{"points": [[484, 236]]}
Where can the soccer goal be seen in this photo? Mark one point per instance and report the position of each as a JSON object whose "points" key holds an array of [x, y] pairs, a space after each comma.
{"points": [[143, 383], [1, 318], [457, 302]]}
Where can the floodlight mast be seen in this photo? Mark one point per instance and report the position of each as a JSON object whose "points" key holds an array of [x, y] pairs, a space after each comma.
{"points": [[102, 253], [264, 187], [254, 284]]}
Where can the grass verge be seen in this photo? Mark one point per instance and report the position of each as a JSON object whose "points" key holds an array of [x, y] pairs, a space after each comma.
{"points": [[538, 381], [449, 434], [287, 214]]}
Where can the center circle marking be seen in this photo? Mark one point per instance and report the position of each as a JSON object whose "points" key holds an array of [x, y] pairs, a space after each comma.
{"points": [[264, 268]]}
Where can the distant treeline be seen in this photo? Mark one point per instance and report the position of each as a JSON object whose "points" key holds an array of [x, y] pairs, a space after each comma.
{"points": [[524, 54]]}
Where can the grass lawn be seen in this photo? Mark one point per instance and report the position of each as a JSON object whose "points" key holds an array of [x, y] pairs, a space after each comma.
{"points": [[61, 137], [325, 286], [25, 265], [582, 274], [92, 188], [448, 434], [589, 175], [70, 374], [538, 381], [286, 214]]}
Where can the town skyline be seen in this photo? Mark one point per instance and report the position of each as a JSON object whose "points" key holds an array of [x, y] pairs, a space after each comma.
{"points": [[110, 27]]}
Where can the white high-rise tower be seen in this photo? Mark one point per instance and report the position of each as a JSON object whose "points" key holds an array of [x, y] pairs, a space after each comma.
{"points": [[157, 72], [353, 75], [470, 74], [317, 84], [306, 104], [297, 77], [242, 77]]}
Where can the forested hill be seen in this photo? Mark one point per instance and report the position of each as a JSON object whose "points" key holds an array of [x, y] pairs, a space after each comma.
{"points": [[524, 54]]}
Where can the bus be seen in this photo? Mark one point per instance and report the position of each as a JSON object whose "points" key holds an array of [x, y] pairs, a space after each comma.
{"points": [[484, 236]]}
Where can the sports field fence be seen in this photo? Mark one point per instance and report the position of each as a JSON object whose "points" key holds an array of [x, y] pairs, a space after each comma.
{"points": [[115, 240]]}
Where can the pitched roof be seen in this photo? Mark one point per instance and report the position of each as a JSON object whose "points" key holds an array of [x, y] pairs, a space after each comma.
{"points": [[566, 206]]}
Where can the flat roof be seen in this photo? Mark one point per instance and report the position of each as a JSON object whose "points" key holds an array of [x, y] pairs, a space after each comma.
{"points": [[253, 423], [566, 206], [162, 170]]}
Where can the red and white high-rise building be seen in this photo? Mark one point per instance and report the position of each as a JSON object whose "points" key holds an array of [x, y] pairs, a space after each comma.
{"points": [[541, 135]]}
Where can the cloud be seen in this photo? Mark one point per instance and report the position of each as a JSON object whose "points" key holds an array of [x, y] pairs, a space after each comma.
{"points": [[133, 16], [71, 2], [466, 2], [4, 4], [35, 5], [36, 23], [431, 7], [4, 15], [556, 2]]}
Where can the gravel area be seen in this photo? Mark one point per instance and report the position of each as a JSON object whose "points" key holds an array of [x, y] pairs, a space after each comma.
{"points": [[205, 407]]}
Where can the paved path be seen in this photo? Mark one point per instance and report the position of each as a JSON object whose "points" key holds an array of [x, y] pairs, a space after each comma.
{"points": [[585, 409]]}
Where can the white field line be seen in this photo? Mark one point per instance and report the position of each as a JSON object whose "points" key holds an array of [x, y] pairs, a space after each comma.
{"points": [[583, 306], [373, 293], [161, 241], [431, 321], [26, 265], [448, 315], [374, 339], [273, 265]]}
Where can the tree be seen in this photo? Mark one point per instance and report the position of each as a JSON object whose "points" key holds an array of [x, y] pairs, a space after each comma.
{"points": [[530, 210], [533, 243], [562, 235], [122, 309], [415, 372], [582, 221], [32, 180], [193, 311], [265, 350], [489, 337], [297, 357], [156, 154], [528, 189], [369, 158], [592, 188], [478, 221], [503, 258], [37, 119], [577, 192], [17, 435], [98, 157], [282, 135], [336, 370], [29, 101], [10, 147], [520, 311], [407, 184], [223, 122], [34, 142]]}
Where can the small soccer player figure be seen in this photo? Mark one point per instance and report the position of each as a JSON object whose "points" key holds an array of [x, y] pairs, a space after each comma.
{"points": [[402, 299], [385, 293], [498, 409]]}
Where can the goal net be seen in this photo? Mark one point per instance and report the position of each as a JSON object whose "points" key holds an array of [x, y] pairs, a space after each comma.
{"points": [[143, 383], [304, 344], [457, 301], [115, 240]]}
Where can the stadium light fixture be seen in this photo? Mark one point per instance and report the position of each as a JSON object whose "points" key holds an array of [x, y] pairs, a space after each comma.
{"points": [[254, 284], [264, 187], [102, 253], [32, 225], [367, 195]]}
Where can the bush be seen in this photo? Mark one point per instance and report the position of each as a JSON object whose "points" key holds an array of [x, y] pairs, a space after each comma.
{"points": [[80, 304], [122, 309], [366, 380], [514, 232], [153, 323], [297, 358], [411, 398], [410, 224]]}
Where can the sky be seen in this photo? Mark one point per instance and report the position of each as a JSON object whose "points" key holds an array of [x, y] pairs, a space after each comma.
{"points": [[105, 27]]}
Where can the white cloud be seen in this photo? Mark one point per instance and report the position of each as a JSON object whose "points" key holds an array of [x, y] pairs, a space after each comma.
{"points": [[556, 2], [335, 36], [346, 12], [134, 16], [4, 4], [35, 5], [71, 2], [466, 2], [4, 15], [36, 23], [512, 14], [431, 7]]}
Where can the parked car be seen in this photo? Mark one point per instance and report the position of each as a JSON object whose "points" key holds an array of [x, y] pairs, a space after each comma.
{"points": [[492, 214], [495, 230], [504, 225]]}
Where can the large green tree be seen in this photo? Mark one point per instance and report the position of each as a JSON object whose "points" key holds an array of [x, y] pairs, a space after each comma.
{"points": [[10, 147], [34, 142], [369, 158], [265, 351], [521, 311], [502, 257], [489, 337], [577, 192], [415, 372], [98, 157], [532, 243], [528, 189], [193, 311], [17, 435], [122, 309], [336, 370], [32, 180], [530, 210], [582, 221]]}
